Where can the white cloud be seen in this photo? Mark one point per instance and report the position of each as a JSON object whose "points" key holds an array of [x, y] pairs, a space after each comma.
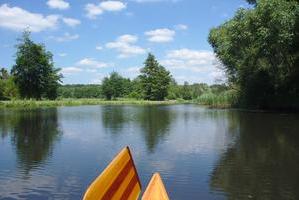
{"points": [[92, 63], [112, 5], [70, 70], [71, 21], [125, 46], [134, 69], [58, 4], [99, 47], [18, 19], [160, 35], [93, 10], [66, 37], [202, 62], [188, 59], [181, 27]]}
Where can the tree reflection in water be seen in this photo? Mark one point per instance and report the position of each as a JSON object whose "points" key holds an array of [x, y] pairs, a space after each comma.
{"points": [[153, 121], [264, 162], [33, 133]]}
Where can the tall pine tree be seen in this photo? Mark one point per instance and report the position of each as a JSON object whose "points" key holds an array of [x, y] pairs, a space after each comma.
{"points": [[155, 79]]}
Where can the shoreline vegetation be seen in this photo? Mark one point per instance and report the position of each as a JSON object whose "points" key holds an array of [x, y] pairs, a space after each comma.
{"points": [[78, 102], [208, 100]]}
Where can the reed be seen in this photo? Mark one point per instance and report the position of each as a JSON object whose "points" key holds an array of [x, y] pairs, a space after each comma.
{"points": [[225, 99]]}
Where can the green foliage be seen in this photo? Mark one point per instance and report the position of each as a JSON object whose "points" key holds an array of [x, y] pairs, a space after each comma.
{"points": [[259, 51], [186, 91], [34, 70], [8, 88], [116, 86], [155, 79], [80, 91], [224, 99]]}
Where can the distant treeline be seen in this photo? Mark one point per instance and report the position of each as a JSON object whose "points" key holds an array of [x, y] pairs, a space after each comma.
{"points": [[196, 91]]}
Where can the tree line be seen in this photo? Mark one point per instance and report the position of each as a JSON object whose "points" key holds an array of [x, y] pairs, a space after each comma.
{"points": [[33, 76], [259, 50]]}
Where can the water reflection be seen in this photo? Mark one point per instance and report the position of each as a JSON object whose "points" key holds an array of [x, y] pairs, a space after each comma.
{"points": [[263, 163], [114, 118], [33, 133], [154, 121]]}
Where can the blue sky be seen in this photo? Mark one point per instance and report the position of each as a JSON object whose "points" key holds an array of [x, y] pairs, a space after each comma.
{"points": [[91, 38]]}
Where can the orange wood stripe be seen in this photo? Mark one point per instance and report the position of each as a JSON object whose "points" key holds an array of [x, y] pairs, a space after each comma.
{"points": [[130, 188], [124, 185], [117, 182], [100, 186], [135, 193]]}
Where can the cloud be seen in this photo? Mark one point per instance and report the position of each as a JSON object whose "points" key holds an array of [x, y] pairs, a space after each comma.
{"points": [[99, 47], [188, 59], [201, 63], [71, 21], [70, 70], [160, 35], [112, 5], [125, 46], [181, 27], [58, 4], [18, 19], [92, 63], [66, 37], [93, 10]]}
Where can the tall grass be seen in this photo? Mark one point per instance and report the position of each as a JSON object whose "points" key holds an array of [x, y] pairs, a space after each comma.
{"points": [[77, 102], [225, 99]]}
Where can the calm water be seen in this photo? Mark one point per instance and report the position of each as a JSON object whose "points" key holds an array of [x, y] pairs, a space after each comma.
{"points": [[55, 153]]}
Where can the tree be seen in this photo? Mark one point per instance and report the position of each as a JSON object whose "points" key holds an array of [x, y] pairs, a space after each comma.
{"points": [[4, 74], [259, 50], [115, 86], [8, 89], [186, 91], [34, 72], [155, 79]]}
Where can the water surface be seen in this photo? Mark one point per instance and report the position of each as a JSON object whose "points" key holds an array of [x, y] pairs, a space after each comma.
{"points": [[54, 153]]}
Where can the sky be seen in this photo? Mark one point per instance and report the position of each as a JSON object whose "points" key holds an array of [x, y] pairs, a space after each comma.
{"points": [[89, 39]]}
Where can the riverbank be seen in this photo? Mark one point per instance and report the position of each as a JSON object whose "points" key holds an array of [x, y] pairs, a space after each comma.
{"points": [[78, 102]]}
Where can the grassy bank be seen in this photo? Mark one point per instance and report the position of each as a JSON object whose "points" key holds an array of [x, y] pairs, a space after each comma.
{"points": [[77, 102], [225, 99]]}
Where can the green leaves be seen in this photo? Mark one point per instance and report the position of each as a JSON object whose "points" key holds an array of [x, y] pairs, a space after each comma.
{"points": [[34, 70], [257, 50], [115, 86], [155, 79]]}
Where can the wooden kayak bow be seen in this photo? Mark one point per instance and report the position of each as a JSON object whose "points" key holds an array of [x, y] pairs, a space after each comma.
{"points": [[120, 181]]}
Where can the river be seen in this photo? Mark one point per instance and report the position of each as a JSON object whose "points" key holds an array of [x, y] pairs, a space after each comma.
{"points": [[54, 153]]}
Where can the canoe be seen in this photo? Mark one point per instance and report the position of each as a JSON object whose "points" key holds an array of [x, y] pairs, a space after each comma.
{"points": [[120, 181], [155, 189]]}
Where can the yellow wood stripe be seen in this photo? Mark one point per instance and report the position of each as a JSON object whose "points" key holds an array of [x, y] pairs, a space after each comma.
{"points": [[155, 189], [123, 185], [100, 186], [135, 192]]}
